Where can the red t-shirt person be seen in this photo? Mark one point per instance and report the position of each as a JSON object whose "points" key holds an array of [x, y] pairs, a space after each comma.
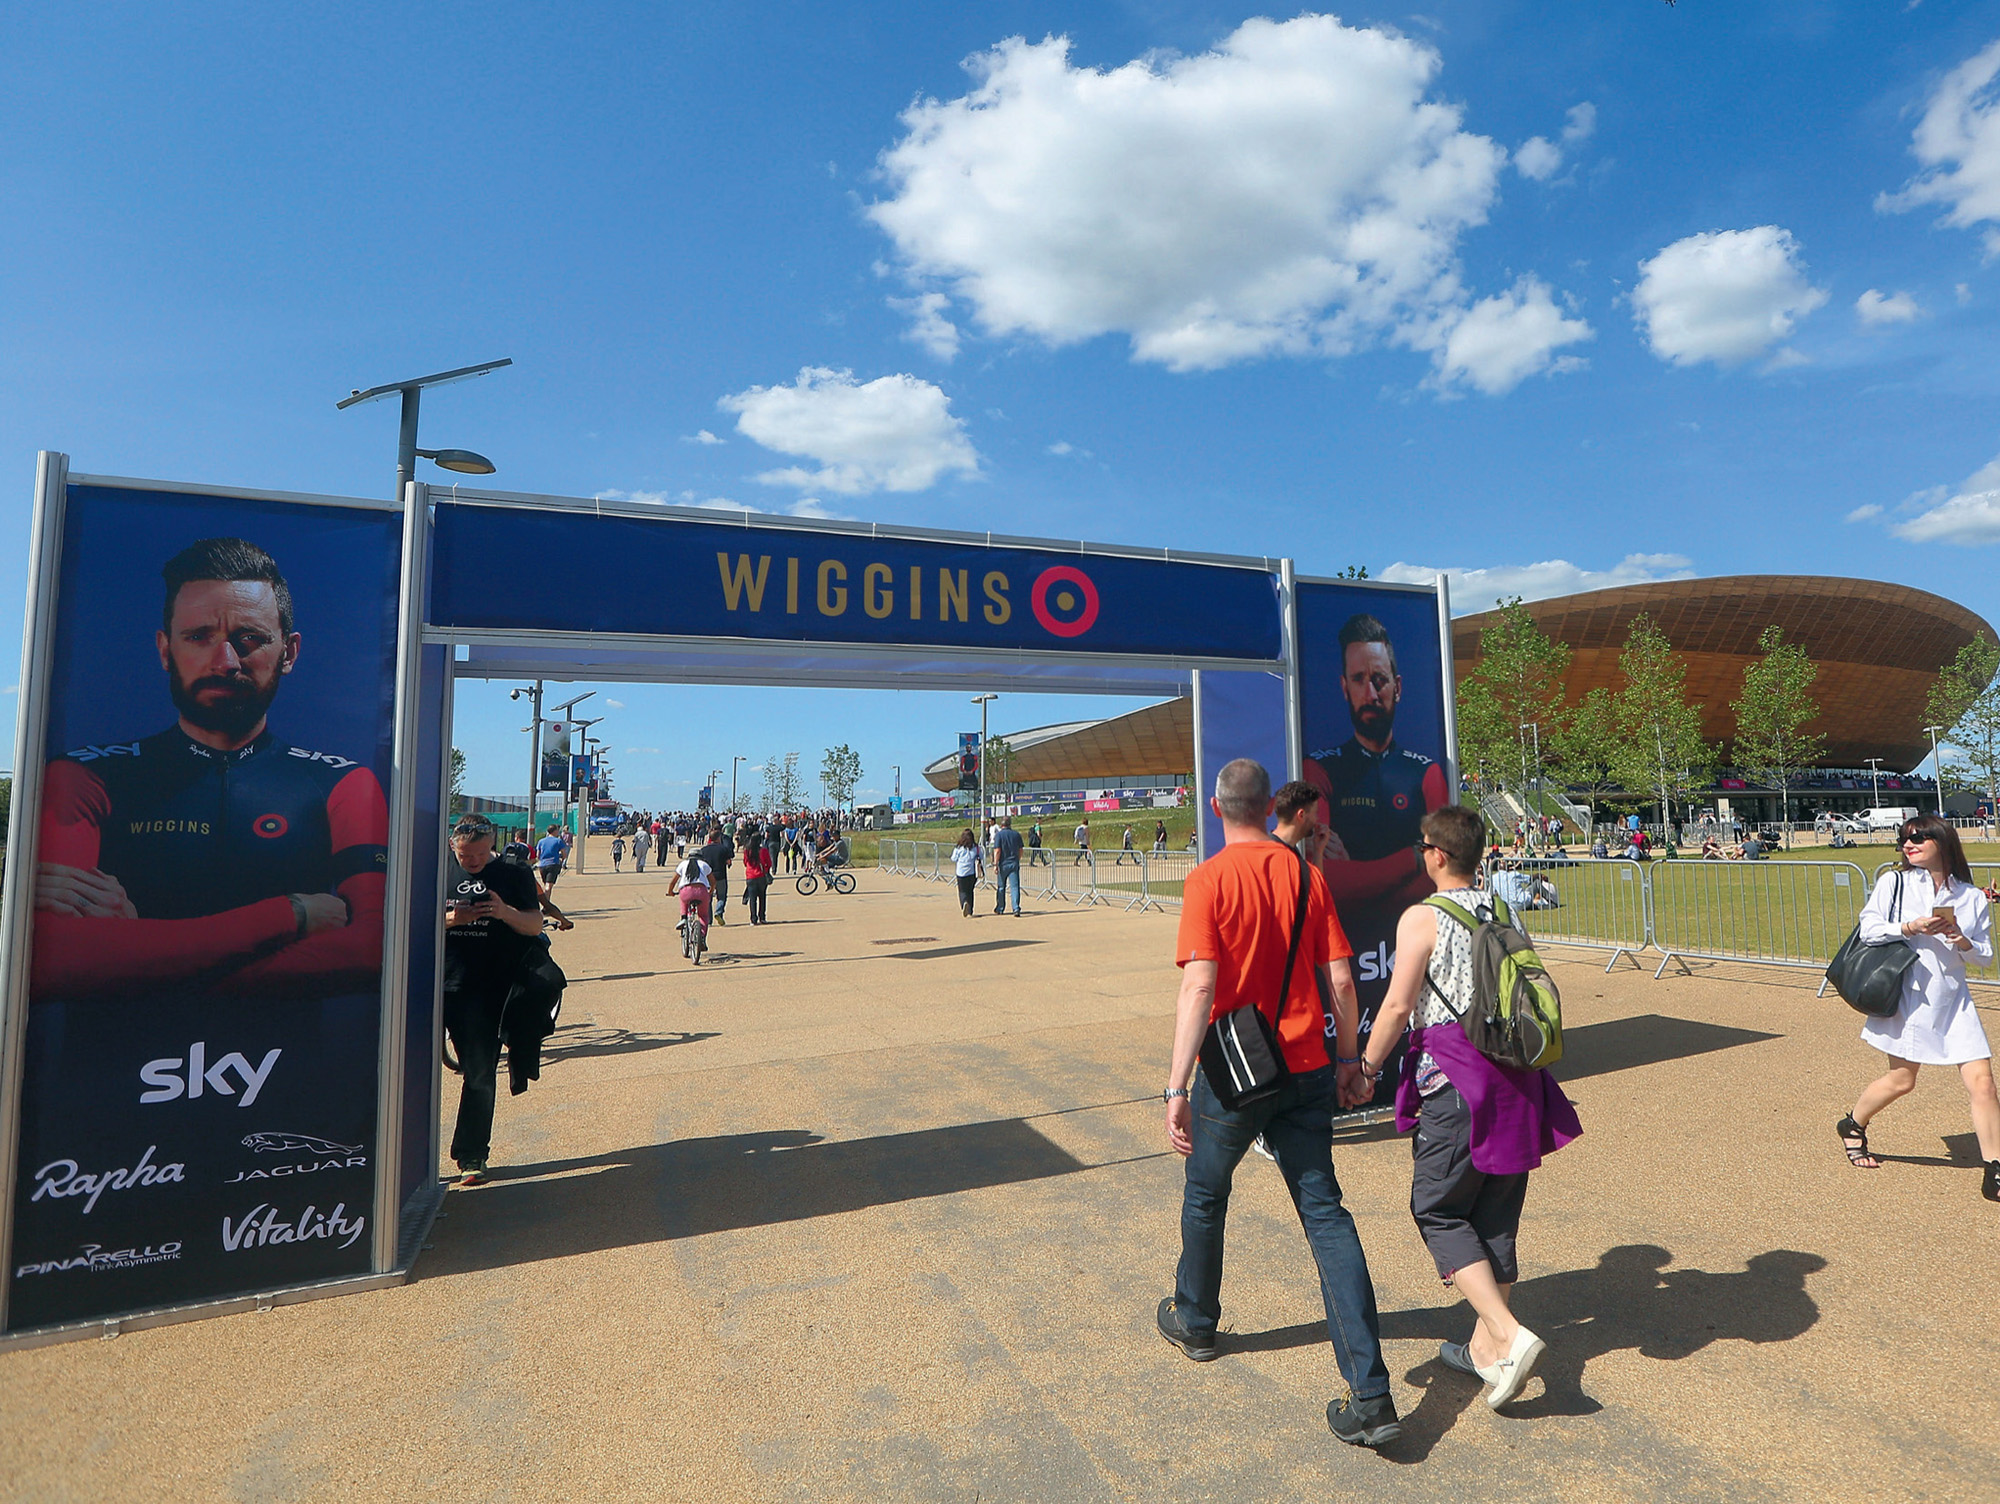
{"points": [[1237, 910]]}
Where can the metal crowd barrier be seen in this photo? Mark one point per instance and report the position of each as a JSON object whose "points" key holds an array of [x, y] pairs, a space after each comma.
{"points": [[1599, 905], [1771, 913]]}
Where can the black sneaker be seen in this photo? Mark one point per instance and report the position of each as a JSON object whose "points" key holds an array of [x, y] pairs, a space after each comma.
{"points": [[1364, 1423], [1201, 1349], [1990, 1189]]}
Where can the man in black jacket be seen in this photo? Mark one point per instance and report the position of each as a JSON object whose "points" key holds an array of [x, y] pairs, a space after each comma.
{"points": [[719, 853], [492, 916]]}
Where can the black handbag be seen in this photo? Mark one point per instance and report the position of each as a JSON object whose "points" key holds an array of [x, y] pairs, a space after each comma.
{"points": [[1870, 977], [1240, 1053]]}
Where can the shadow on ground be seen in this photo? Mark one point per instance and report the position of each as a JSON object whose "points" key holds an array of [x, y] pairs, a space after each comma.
{"points": [[582, 1041], [1622, 1044], [657, 1192], [1630, 1300]]}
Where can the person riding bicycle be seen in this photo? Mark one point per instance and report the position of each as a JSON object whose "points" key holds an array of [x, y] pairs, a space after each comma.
{"points": [[694, 880]]}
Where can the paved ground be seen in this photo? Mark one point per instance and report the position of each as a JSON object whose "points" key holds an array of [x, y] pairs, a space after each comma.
{"points": [[879, 1209]]}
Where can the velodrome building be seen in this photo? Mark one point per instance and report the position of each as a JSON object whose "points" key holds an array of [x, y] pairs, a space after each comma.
{"points": [[1878, 647]]}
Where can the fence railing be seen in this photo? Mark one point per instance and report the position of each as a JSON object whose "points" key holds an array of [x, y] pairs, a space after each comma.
{"points": [[1600, 905]]}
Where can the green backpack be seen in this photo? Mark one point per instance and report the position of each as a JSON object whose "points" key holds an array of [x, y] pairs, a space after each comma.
{"points": [[1516, 1014]]}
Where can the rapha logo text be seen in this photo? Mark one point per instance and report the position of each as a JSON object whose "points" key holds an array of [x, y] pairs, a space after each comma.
{"points": [[260, 1227], [62, 1178], [165, 1075]]}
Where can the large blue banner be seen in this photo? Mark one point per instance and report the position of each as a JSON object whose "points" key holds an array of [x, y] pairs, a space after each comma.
{"points": [[198, 1102], [674, 577], [1372, 699]]}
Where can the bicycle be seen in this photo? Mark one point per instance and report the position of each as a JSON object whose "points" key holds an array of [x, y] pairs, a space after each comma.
{"points": [[809, 881], [694, 936]]}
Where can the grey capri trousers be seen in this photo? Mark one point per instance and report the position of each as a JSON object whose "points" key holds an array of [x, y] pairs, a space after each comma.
{"points": [[1463, 1214]]}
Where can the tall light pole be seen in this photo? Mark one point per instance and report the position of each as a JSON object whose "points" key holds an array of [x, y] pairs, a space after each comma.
{"points": [[1937, 772], [714, 777], [733, 762], [982, 701], [534, 730], [1874, 780], [464, 461]]}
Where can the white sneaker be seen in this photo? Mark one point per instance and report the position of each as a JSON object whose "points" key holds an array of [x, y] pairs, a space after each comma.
{"points": [[1508, 1375], [1263, 1148]]}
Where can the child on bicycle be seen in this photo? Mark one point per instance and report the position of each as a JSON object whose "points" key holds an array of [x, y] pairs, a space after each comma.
{"points": [[694, 881]]}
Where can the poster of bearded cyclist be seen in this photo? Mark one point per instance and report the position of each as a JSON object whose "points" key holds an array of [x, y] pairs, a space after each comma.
{"points": [[206, 952], [1372, 701]]}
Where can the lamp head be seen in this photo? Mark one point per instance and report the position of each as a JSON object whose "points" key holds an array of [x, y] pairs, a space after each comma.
{"points": [[464, 461]]}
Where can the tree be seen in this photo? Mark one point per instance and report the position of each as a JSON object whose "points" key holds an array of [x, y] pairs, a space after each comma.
{"points": [[457, 781], [998, 765], [1776, 705], [840, 772], [1518, 684], [781, 783], [1661, 750], [1353, 572], [1966, 699], [1586, 745]]}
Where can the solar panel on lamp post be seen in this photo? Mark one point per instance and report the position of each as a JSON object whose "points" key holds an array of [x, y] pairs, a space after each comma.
{"points": [[464, 461]]}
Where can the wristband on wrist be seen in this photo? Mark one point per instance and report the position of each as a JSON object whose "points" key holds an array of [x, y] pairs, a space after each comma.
{"points": [[1173, 1092], [1347, 1060], [299, 916]]}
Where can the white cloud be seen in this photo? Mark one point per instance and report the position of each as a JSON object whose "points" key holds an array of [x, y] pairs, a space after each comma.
{"points": [[1062, 446], [1970, 515], [655, 751], [1292, 191], [616, 704], [1963, 291], [895, 433], [1863, 513], [1875, 310], [1724, 295], [928, 325], [1475, 590], [1580, 124], [1958, 143], [1538, 158], [1501, 341], [701, 436]]}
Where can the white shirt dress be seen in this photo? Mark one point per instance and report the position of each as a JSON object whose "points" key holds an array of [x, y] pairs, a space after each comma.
{"points": [[1937, 1023]]}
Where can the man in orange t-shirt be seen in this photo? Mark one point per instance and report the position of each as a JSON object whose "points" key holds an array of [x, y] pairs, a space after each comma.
{"points": [[1237, 914]]}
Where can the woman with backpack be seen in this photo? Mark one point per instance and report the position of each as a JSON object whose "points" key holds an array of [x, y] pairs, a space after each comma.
{"points": [[1931, 904], [967, 863], [1482, 1125]]}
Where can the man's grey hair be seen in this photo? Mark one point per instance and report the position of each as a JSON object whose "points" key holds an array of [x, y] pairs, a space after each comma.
{"points": [[1243, 790]]}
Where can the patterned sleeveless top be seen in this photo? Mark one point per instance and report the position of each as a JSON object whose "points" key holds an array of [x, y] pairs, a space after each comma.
{"points": [[1451, 969]]}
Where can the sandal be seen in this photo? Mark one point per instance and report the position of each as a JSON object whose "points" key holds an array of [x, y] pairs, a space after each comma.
{"points": [[1850, 1130]]}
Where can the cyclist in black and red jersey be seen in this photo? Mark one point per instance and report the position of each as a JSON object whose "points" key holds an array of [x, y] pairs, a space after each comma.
{"points": [[1374, 794], [211, 849]]}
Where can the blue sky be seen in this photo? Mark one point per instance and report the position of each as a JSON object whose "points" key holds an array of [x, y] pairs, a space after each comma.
{"points": [[1569, 293]]}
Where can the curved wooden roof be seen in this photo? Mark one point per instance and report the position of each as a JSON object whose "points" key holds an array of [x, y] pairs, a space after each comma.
{"points": [[1153, 740], [1878, 646]]}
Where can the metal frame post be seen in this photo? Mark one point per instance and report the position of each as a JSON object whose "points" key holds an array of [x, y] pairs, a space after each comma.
{"points": [[17, 899], [1295, 731], [396, 900], [1450, 677]]}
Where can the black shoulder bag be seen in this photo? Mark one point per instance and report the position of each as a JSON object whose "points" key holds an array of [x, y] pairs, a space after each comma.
{"points": [[1240, 1053], [1870, 977]]}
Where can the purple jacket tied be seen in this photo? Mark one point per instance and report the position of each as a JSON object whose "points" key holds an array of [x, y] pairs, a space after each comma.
{"points": [[1517, 1115]]}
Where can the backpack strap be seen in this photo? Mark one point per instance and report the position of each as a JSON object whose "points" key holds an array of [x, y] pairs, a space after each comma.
{"points": [[1460, 914], [1298, 930]]}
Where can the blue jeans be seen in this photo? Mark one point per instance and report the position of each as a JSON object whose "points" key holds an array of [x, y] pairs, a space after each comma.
{"points": [[1002, 877], [1297, 1126]]}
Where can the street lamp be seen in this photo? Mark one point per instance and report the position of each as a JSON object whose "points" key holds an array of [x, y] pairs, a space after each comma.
{"points": [[732, 781], [1937, 772], [714, 777], [1874, 780], [534, 730], [463, 461], [982, 701]]}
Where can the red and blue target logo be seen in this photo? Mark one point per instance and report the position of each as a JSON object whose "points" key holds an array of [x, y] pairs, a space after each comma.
{"points": [[1064, 601], [270, 827]]}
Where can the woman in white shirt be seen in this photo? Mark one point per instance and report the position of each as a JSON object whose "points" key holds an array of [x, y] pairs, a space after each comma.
{"points": [[966, 862], [1944, 918]]}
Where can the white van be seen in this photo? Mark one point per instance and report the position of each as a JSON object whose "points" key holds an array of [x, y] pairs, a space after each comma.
{"points": [[1888, 817]]}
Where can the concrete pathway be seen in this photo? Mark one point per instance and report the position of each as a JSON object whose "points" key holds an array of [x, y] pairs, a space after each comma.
{"points": [[878, 1207]]}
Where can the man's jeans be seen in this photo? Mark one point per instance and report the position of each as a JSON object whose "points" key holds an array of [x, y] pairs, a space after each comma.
{"points": [[473, 1022], [1002, 877], [1297, 1126]]}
